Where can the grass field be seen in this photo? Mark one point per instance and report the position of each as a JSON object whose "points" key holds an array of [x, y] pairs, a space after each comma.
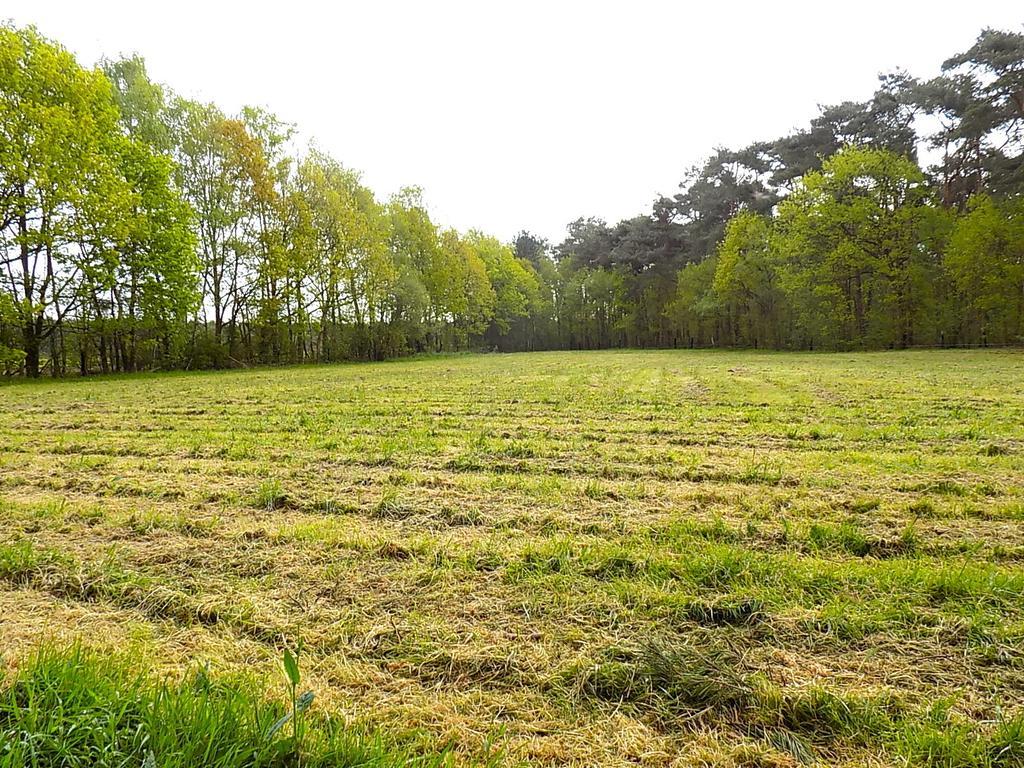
{"points": [[591, 559]]}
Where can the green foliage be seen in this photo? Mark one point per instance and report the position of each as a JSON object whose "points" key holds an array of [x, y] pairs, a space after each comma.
{"points": [[514, 283], [97, 232], [745, 281], [851, 253], [10, 356], [985, 261], [74, 708]]}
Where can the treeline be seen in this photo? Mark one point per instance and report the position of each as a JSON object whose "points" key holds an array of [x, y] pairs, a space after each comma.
{"points": [[834, 236], [142, 230], [145, 230]]}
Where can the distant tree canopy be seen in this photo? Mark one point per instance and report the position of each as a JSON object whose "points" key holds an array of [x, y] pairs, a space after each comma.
{"points": [[142, 230]]}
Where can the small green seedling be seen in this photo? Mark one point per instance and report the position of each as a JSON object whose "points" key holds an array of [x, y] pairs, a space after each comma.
{"points": [[300, 703]]}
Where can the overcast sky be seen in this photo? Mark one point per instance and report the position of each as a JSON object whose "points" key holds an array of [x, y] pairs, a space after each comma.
{"points": [[524, 114]]}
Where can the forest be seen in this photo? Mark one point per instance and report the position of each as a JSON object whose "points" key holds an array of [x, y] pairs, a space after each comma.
{"points": [[142, 230]]}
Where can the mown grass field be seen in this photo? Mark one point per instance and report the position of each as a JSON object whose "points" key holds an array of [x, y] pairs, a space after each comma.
{"points": [[591, 559]]}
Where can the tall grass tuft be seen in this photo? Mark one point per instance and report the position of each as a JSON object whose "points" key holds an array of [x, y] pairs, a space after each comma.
{"points": [[271, 495]]}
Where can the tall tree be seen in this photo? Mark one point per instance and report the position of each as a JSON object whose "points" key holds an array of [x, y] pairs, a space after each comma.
{"points": [[61, 193], [850, 242], [985, 260], [515, 285], [207, 178], [746, 282]]}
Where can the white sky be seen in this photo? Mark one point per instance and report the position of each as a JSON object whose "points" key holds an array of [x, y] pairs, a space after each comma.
{"points": [[524, 114]]}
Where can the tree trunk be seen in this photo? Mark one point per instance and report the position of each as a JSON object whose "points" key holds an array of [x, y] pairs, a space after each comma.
{"points": [[30, 334], [30, 343], [104, 365]]}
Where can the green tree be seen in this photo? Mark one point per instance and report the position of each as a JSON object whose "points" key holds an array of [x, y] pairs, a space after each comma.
{"points": [[11, 357], [746, 282], [693, 309], [156, 278], [208, 180], [254, 146], [516, 287], [413, 242], [850, 250], [468, 294], [61, 193], [985, 261], [352, 274]]}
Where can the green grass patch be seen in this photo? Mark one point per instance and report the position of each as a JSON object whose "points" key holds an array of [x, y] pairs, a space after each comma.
{"points": [[77, 709]]}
